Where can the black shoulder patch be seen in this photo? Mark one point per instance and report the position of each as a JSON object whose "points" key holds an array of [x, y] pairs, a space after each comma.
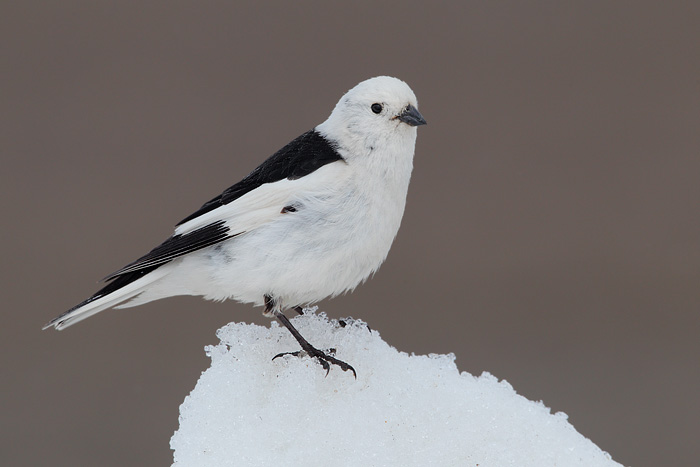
{"points": [[300, 157]]}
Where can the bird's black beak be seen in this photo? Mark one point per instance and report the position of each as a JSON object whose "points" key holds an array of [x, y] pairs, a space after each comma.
{"points": [[411, 116]]}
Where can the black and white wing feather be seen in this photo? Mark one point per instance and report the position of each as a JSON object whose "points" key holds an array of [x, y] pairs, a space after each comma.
{"points": [[253, 201], [299, 158], [302, 156]]}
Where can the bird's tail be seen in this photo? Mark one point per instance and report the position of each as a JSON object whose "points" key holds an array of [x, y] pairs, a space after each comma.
{"points": [[120, 289]]}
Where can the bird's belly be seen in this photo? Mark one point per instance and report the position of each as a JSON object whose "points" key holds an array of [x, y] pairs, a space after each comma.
{"points": [[303, 256]]}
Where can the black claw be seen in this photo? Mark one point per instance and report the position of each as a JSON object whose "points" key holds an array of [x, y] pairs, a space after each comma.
{"points": [[322, 358], [301, 353], [296, 354]]}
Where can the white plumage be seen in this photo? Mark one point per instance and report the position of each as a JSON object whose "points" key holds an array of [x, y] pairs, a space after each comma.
{"points": [[314, 228]]}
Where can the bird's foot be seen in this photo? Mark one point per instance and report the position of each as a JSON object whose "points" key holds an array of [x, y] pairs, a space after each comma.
{"points": [[323, 358]]}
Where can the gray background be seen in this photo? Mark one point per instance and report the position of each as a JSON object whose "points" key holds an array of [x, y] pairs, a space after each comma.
{"points": [[551, 236]]}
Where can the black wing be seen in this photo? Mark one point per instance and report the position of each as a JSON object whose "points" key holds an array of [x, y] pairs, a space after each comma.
{"points": [[175, 246], [300, 157]]}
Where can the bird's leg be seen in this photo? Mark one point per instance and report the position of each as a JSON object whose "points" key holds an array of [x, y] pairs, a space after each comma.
{"points": [[299, 310], [269, 305], [323, 358]]}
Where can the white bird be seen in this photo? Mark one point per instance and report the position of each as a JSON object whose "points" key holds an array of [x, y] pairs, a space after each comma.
{"points": [[314, 220]]}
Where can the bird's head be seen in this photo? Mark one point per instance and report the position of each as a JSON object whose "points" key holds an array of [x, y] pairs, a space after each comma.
{"points": [[376, 112]]}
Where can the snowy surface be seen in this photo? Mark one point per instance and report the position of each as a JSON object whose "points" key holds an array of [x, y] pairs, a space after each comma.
{"points": [[402, 410]]}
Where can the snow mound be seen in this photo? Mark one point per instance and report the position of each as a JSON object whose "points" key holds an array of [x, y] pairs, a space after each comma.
{"points": [[402, 410]]}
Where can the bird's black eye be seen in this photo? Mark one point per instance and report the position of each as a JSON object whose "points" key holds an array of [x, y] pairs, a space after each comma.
{"points": [[377, 108]]}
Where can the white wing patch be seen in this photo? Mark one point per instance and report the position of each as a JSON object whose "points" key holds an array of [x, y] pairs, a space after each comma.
{"points": [[265, 203]]}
